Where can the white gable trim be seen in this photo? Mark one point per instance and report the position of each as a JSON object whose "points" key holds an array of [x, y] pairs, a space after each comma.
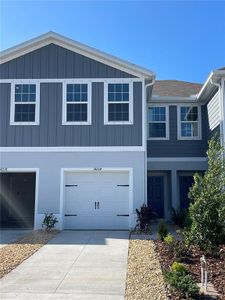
{"points": [[77, 47]]}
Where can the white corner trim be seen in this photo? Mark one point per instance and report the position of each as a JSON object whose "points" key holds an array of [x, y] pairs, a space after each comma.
{"points": [[167, 137], [74, 149], [199, 137], [177, 159], [64, 103], [130, 103], [13, 103]]}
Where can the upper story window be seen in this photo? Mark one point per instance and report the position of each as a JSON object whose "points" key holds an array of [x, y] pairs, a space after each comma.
{"points": [[158, 127], [189, 122], [24, 104], [77, 104], [118, 103]]}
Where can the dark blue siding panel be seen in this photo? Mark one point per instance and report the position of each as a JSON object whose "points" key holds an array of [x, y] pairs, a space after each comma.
{"points": [[53, 61], [52, 133], [180, 148]]}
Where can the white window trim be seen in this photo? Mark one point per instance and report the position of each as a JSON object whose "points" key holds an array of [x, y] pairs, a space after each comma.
{"points": [[167, 137], [199, 137], [106, 103], [12, 103], [64, 103]]}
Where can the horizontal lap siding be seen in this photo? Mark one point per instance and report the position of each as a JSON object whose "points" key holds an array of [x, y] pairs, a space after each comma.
{"points": [[53, 61], [180, 148], [213, 108], [51, 132]]}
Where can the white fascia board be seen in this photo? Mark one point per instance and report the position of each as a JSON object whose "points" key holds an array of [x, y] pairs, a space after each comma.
{"points": [[74, 149], [52, 37], [172, 99], [177, 159]]}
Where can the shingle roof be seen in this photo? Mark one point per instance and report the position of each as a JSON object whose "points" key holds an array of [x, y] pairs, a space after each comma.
{"points": [[175, 88]]}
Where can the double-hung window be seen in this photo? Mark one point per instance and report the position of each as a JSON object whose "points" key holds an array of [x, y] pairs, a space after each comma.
{"points": [[76, 104], [158, 119], [24, 104], [118, 103], [189, 122]]}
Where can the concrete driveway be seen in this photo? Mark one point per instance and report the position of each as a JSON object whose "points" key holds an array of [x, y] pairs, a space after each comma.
{"points": [[74, 265]]}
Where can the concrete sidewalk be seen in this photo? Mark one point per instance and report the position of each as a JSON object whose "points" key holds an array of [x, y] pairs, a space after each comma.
{"points": [[74, 265]]}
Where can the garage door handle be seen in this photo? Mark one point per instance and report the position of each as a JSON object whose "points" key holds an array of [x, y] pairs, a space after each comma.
{"points": [[122, 215], [67, 215]]}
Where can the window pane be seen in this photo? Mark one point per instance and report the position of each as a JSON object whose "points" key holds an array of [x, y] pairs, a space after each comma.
{"points": [[157, 114], [24, 113], [118, 112], [118, 92], [76, 93], [25, 93], [76, 112], [189, 113], [189, 129], [157, 130]]}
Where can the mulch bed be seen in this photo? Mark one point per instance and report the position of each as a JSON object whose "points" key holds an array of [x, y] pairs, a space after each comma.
{"points": [[14, 254], [216, 266]]}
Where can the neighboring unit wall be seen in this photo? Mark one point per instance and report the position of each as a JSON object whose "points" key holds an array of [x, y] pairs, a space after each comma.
{"points": [[213, 108], [51, 132], [180, 148]]}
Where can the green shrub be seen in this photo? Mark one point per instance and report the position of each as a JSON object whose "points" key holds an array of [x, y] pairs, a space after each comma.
{"points": [[179, 217], [49, 221], [181, 282], [144, 218], [169, 239], [162, 230], [178, 267], [180, 251], [207, 210]]}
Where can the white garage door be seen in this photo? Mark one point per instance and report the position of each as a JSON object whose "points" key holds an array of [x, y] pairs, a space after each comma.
{"points": [[96, 200]]}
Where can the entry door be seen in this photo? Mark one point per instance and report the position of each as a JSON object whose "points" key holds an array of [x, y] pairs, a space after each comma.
{"points": [[156, 194], [17, 199], [96, 200], [185, 182]]}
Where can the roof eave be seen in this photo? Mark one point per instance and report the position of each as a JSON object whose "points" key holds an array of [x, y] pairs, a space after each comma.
{"points": [[208, 88]]}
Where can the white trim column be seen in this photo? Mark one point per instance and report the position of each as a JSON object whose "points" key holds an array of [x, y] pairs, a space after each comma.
{"points": [[175, 198]]}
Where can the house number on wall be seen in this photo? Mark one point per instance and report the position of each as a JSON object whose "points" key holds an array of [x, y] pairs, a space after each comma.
{"points": [[97, 169], [3, 169]]}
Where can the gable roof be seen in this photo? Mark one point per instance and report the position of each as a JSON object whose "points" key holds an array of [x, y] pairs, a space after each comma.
{"points": [[55, 38], [176, 88]]}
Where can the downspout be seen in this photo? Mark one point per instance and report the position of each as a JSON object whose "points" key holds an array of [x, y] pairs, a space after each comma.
{"points": [[222, 121], [146, 146]]}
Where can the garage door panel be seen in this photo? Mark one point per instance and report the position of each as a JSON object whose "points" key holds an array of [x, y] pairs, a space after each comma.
{"points": [[97, 199], [106, 222]]}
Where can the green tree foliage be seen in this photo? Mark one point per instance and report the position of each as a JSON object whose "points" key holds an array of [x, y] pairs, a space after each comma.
{"points": [[207, 209]]}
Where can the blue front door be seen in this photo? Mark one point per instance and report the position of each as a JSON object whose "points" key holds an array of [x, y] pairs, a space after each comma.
{"points": [[156, 194], [185, 183]]}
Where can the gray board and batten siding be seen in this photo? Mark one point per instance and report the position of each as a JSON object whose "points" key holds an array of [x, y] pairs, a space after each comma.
{"points": [[56, 62], [53, 61], [180, 148]]}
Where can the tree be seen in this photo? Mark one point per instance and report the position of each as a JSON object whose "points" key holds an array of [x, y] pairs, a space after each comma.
{"points": [[207, 208]]}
